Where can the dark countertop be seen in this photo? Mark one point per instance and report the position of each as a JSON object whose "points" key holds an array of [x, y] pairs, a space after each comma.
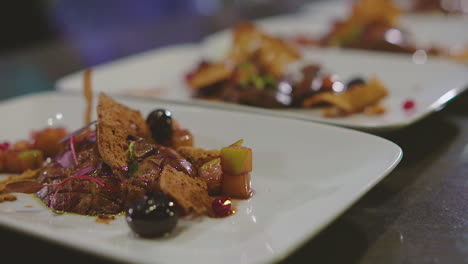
{"points": [[417, 214]]}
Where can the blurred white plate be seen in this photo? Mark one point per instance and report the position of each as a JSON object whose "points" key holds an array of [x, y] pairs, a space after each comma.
{"points": [[425, 29], [305, 174], [160, 73]]}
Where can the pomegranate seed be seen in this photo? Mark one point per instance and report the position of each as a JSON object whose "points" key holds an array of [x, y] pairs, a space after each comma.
{"points": [[4, 146], [189, 76], [222, 206], [408, 105]]}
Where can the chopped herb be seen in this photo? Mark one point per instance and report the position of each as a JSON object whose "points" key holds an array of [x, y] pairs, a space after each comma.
{"points": [[351, 37], [132, 167], [245, 65], [269, 80], [131, 153], [257, 82], [244, 83], [29, 154]]}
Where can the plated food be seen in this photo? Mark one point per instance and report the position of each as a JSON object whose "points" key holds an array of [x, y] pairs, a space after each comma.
{"points": [[375, 25], [146, 168], [255, 72], [288, 196], [439, 6]]}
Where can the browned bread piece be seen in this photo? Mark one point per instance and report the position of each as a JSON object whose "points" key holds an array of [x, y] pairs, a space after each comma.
{"points": [[246, 39], [116, 123], [198, 156], [27, 175], [7, 198], [275, 55], [190, 194], [353, 100], [210, 74]]}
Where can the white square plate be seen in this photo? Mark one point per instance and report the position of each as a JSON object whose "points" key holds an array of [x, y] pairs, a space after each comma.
{"points": [[305, 174], [160, 73], [425, 29]]}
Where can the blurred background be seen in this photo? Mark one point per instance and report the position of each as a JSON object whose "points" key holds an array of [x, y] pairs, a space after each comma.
{"points": [[43, 40]]}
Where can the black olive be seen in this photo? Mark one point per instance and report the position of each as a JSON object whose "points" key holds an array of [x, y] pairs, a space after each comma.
{"points": [[160, 124], [355, 81], [152, 216]]}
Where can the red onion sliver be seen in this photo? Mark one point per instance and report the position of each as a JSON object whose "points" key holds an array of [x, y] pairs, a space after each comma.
{"points": [[66, 159], [72, 148], [78, 131]]}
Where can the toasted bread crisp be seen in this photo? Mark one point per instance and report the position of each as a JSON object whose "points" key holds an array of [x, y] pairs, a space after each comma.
{"points": [[246, 39], [198, 155], [210, 74], [191, 194], [7, 198], [274, 53], [27, 175], [116, 123], [353, 100]]}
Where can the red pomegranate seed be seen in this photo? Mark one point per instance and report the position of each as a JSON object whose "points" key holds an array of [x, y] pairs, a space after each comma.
{"points": [[408, 104], [4, 146], [222, 206]]}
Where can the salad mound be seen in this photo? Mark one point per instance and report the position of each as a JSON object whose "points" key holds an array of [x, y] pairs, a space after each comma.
{"points": [[259, 70], [124, 163]]}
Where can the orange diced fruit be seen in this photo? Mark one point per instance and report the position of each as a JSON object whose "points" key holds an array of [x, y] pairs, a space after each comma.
{"points": [[48, 141], [236, 160], [237, 186], [19, 161]]}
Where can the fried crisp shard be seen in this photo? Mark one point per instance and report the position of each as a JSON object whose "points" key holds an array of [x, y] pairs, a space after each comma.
{"points": [[246, 39], [198, 155], [275, 55], [116, 123], [190, 194], [27, 175], [249, 43], [210, 74], [7, 198], [353, 100]]}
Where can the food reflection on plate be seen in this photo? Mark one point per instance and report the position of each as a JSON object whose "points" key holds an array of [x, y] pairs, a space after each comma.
{"points": [[266, 71]]}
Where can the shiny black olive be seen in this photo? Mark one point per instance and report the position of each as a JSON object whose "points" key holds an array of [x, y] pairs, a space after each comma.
{"points": [[152, 216], [355, 81], [160, 124]]}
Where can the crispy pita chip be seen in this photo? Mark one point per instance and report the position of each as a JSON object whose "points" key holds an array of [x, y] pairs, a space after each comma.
{"points": [[190, 194], [210, 74], [116, 123], [198, 155], [275, 55], [272, 53], [7, 197], [246, 39], [27, 175], [353, 100]]}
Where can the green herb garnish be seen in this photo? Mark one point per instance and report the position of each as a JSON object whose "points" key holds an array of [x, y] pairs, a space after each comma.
{"points": [[30, 154]]}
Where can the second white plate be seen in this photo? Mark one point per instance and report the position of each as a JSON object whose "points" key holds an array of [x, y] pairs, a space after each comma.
{"points": [[160, 74]]}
